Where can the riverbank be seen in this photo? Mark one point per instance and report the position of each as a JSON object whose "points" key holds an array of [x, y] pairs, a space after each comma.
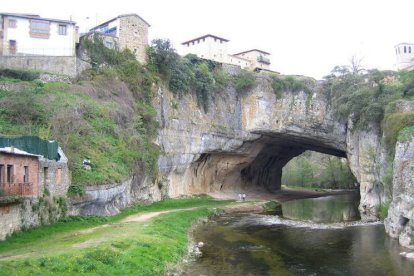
{"points": [[141, 240]]}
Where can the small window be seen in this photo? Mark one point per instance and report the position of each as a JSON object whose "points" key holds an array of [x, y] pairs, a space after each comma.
{"points": [[405, 49], [108, 44], [63, 29], [10, 174], [45, 175], [409, 49], [1, 174], [12, 46], [26, 174], [12, 23]]}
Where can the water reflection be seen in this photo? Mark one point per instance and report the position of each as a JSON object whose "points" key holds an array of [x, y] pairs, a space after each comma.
{"points": [[334, 208]]}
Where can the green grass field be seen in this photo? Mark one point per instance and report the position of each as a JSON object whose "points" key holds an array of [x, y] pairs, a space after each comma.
{"points": [[107, 246]]}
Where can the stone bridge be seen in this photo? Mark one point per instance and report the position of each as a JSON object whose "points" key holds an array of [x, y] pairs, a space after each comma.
{"points": [[245, 140]]}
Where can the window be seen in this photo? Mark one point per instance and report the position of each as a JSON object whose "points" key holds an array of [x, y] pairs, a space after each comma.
{"points": [[45, 175], [409, 49], [63, 29], [108, 44], [12, 23], [1, 174], [405, 49], [10, 172], [12, 46], [26, 174], [39, 28]]}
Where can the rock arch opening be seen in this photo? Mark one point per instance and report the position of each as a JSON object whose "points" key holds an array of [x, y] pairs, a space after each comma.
{"points": [[255, 165]]}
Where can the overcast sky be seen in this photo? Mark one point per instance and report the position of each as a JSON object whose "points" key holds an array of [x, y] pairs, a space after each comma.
{"points": [[304, 37]]}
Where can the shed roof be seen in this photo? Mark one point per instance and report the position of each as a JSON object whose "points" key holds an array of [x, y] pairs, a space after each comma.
{"points": [[204, 36], [36, 16], [118, 17]]}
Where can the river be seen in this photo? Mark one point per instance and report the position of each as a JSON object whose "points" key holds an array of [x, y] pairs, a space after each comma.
{"points": [[253, 244]]}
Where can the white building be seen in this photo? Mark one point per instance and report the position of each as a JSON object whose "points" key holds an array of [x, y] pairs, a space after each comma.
{"points": [[215, 48], [27, 34], [404, 53], [258, 59]]}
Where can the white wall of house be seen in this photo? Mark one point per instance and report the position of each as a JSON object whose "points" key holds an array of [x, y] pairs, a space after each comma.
{"points": [[404, 53], [208, 48], [54, 45], [235, 60], [254, 57]]}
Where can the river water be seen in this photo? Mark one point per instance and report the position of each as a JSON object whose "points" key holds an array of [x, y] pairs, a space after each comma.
{"points": [[273, 245]]}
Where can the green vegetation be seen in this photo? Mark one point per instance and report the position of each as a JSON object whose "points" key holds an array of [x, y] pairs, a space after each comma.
{"points": [[80, 245], [316, 170], [294, 84], [19, 74], [383, 210], [396, 122], [98, 119], [244, 81]]}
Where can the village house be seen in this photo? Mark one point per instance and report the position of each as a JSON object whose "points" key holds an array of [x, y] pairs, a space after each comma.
{"points": [[125, 31], [215, 48], [404, 53], [28, 34], [30, 165]]}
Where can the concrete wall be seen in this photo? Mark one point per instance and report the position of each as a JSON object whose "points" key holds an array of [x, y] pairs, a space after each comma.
{"points": [[54, 176], [70, 66], [53, 45]]}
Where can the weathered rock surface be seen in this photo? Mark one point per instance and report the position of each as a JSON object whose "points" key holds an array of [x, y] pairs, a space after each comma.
{"points": [[400, 220]]}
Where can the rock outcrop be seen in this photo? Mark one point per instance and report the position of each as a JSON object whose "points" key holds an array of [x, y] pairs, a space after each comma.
{"points": [[400, 220]]}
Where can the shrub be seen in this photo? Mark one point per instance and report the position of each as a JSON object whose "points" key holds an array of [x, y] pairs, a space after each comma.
{"points": [[162, 56], [244, 81], [76, 189], [289, 83], [23, 75], [393, 124]]}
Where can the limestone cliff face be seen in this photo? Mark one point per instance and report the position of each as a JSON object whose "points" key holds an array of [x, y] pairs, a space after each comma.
{"points": [[400, 220], [244, 141]]}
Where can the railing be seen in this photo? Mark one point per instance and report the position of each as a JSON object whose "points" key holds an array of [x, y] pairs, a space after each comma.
{"points": [[17, 189], [263, 59], [37, 52]]}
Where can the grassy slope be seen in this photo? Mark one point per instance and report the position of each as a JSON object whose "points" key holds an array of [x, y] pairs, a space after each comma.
{"points": [[117, 249], [99, 120]]}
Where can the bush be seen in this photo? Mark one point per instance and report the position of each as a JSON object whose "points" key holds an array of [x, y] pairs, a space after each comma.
{"points": [[162, 57], [244, 81], [76, 190], [23, 75], [393, 124], [289, 83]]}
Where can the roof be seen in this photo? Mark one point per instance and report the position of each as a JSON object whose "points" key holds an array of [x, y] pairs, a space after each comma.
{"points": [[402, 43], [13, 150], [118, 17], [204, 36], [36, 16], [253, 50]]}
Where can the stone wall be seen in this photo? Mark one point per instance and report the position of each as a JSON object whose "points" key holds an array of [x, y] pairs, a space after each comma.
{"points": [[70, 66], [400, 221], [133, 34]]}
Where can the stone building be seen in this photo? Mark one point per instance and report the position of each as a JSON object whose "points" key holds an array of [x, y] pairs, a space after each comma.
{"points": [[125, 31], [25, 171], [215, 48], [404, 53]]}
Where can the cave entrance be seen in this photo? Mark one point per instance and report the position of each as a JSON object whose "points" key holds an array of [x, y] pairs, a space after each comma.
{"points": [[256, 165]]}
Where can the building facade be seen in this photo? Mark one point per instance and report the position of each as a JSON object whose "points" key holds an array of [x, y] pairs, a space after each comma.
{"points": [[404, 53], [125, 31], [215, 48], [32, 35], [27, 173]]}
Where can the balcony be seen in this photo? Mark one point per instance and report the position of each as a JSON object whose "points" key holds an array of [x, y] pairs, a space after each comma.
{"points": [[263, 59]]}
